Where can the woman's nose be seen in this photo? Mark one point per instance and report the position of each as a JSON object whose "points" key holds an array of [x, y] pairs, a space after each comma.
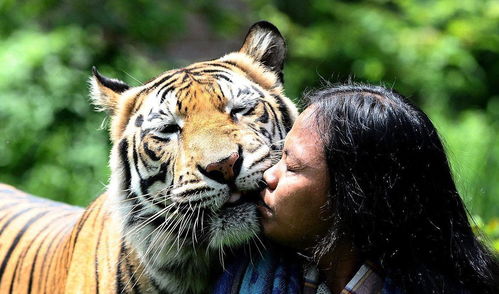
{"points": [[270, 177]]}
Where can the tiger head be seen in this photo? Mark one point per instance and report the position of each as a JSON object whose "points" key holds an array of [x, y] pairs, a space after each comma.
{"points": [[191, 143]]}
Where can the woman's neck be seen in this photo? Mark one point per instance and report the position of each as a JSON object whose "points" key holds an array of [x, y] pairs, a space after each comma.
{"points": [[339, 266]]}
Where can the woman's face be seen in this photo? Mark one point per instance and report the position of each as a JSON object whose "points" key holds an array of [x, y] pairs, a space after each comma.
{"points": [[293, 210]]}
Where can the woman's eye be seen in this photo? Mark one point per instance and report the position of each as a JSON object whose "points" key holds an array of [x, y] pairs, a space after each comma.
{"points": [[292, 167], [169, 129]]}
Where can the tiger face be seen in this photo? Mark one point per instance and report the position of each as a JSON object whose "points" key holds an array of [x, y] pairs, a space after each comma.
{"points": [[191, 145]]}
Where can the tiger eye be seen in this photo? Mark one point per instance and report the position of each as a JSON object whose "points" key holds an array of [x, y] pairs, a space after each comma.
{"points": [[170, 129]]}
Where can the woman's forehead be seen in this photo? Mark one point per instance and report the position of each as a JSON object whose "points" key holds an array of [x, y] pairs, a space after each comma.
{"points": [[303, 139], [309, 114], [306, 119]]}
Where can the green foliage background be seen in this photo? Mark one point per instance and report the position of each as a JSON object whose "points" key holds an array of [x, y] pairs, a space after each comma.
{"points": [[442, 54]]}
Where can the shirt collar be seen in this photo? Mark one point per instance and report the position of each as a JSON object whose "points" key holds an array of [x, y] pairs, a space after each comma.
{"points": [[367, 280]]}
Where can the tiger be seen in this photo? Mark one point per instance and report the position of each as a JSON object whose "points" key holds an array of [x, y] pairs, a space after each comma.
{"points": [[189, 148]]}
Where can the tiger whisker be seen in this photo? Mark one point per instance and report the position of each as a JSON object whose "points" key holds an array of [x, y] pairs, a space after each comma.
{"points": [[151, 245], [140, 242], [151, 219]]}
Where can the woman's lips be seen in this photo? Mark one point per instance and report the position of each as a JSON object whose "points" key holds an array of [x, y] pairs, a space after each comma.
{"points": [[264, 209]]}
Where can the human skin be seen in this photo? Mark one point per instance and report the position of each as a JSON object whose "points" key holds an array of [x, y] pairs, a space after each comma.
{"points": [[294, 201]]}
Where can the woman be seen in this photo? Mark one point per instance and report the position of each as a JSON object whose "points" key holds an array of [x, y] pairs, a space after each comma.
{"points": [[365, 190]]}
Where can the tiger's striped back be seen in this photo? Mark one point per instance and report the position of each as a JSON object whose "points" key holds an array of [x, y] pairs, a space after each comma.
{"points": [[41, 248], [34, 241]]}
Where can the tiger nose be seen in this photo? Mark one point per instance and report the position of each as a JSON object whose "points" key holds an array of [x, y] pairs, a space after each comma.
{"points": [[225, 170]]}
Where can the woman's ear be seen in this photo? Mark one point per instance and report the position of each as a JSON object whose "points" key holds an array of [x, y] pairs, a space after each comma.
{"points": [[105, 92], [265, 44]]}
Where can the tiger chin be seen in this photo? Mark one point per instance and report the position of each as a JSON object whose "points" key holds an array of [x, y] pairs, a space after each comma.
{"points": [[189, 149]]}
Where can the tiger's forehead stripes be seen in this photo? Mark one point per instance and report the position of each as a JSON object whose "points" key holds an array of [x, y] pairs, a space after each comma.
{"points": [[206, 88], [234, 63], [171, 79], [209, 85], [198, 95]]}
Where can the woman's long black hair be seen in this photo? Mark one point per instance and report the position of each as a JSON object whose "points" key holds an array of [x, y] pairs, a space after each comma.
{"points": [[393, 195]]}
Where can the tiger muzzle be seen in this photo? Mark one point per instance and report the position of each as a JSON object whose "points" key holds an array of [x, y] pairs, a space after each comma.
{"points": [[226, 170]]}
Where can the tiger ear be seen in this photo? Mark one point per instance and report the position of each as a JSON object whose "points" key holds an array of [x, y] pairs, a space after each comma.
{"points": [[105, 92], [265, 44]]}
